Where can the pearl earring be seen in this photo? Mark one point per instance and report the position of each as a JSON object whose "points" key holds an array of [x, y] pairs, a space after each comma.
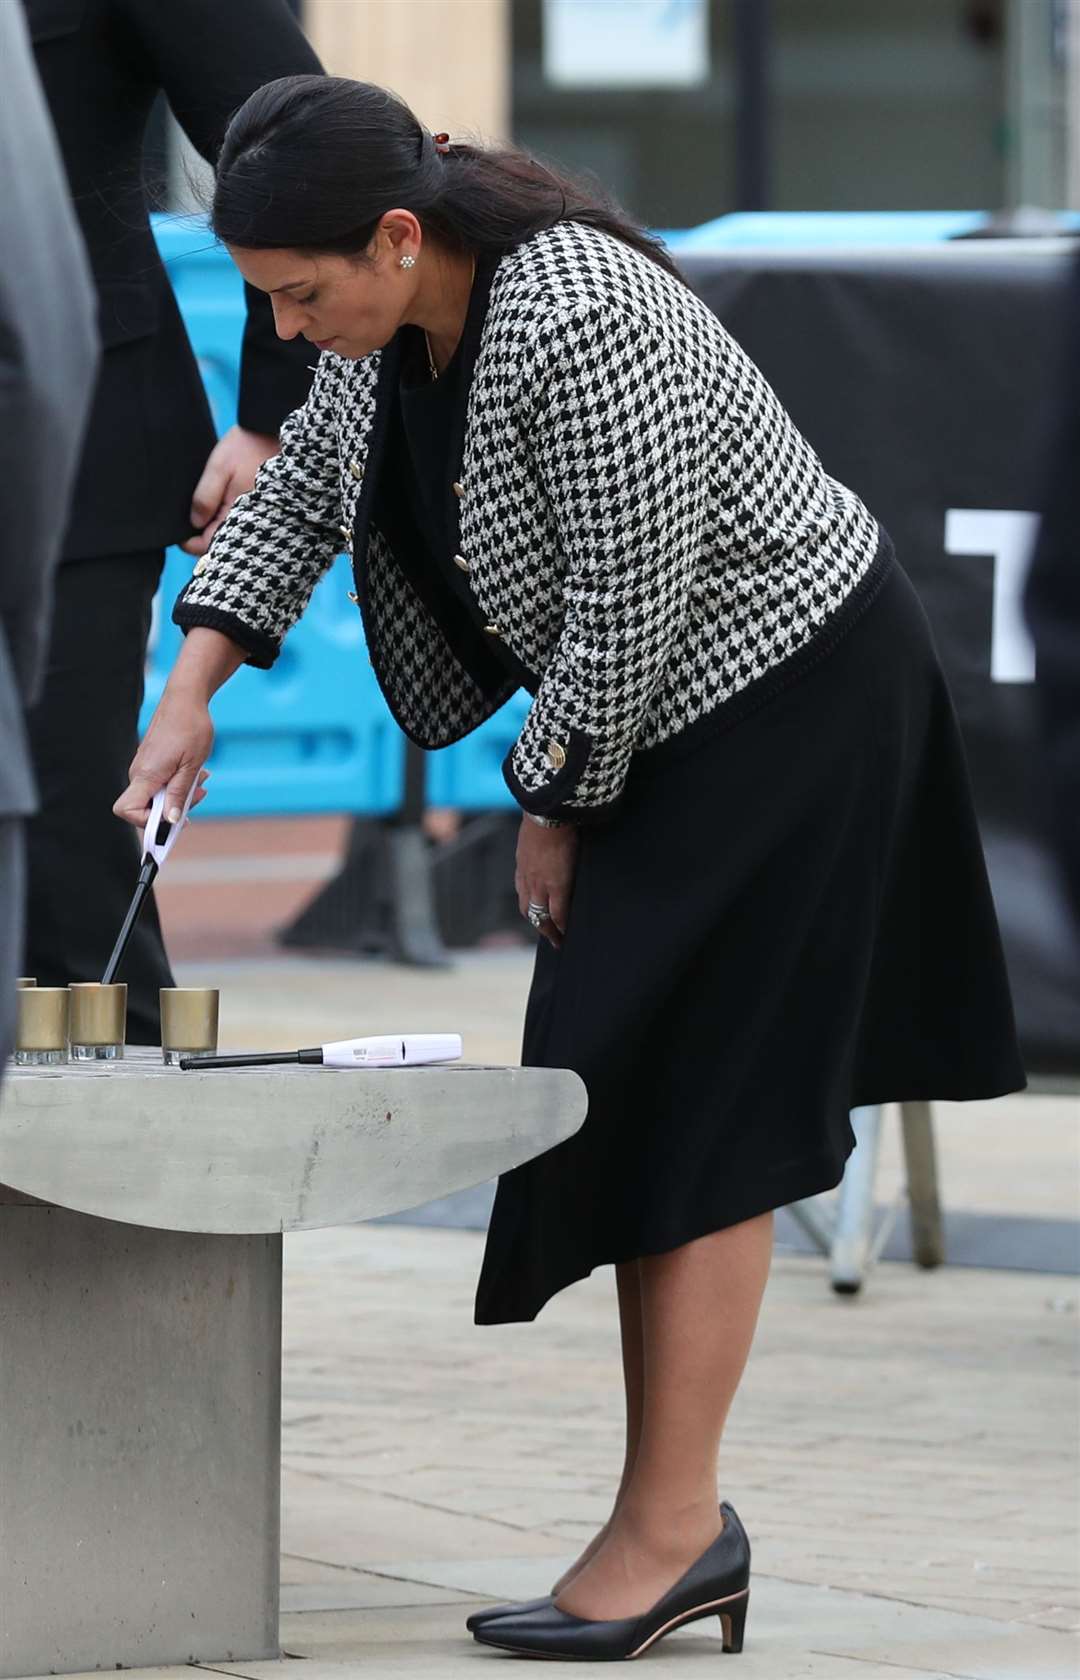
{"points": [[408, 262]]}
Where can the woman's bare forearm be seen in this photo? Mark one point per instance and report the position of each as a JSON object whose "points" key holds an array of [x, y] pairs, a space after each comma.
{"points": [[206, 661]]}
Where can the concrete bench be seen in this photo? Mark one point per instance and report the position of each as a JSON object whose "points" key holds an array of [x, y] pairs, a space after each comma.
{"points": [[141, 1217]]}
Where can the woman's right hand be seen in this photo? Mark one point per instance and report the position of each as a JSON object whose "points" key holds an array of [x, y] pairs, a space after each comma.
{"points": [[178, 741], [171, 755]]}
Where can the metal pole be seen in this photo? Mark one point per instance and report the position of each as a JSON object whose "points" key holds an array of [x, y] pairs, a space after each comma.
{"points": [[414, 789], [1072, 106], [1036, 44], [920, 1155], [752, 32], [414, 922], [853, 1235]]}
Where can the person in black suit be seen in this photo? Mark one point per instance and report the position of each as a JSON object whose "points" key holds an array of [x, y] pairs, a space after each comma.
{"points": [[1053, 606], [151, 473], [48, 359]]}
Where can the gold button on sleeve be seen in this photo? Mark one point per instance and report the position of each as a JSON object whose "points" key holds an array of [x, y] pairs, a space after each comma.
{"points": [[556, 753], [493, 629], [461, 563], [355, 599], [459, 491], [356, 469]]}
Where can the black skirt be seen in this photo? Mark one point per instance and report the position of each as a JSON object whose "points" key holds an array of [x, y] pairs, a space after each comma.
{"points": [[788, 918]]}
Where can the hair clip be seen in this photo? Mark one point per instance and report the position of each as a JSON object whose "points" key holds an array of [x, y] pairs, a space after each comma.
{"points": [[442, 143]]}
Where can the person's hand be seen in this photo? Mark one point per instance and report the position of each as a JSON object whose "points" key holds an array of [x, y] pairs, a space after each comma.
{"points": [[230, 471], [172, 754], [546, 859]]}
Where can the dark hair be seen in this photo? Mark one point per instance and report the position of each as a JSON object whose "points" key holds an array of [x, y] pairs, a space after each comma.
{"points": [[312, 163]]}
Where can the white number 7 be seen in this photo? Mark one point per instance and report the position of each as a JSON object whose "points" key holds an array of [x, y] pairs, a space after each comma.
{"points": [[1008, 538]]}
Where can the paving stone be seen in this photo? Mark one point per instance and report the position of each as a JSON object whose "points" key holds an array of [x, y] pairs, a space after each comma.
{"points": [[334, 1522], [361, 1590]]}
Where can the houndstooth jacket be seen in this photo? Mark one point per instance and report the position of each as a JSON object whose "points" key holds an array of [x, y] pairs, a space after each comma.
{"points": [[645, 540]]}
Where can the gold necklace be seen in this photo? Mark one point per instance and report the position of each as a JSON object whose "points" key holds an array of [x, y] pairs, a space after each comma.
{"points": [[427, 341]]}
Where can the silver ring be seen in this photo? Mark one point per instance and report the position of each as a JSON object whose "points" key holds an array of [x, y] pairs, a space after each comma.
{"points": [[538, 914]]}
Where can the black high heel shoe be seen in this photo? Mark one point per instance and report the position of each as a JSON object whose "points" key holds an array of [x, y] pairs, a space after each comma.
{"points": [[718, 1584], [497, 1611]]}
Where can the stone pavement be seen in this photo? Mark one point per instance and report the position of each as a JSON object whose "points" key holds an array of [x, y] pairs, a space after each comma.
{"points": [[905, 1461]]}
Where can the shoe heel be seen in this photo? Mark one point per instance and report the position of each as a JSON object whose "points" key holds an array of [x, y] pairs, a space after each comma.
{"points": [[733, 1622]]}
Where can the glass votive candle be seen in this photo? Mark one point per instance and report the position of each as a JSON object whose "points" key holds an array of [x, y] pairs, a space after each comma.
{"points": [[189, 1021], [41, 1026], [98, 1021]]}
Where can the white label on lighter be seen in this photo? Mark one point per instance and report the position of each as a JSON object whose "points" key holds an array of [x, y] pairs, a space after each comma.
{"points": [[364, 1053]]}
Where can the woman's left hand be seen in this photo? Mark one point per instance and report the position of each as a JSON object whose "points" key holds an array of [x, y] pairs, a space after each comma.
{"points": [[546, 859]]}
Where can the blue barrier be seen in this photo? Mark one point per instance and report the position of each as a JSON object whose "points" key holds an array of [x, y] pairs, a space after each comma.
{"points": [[210, 293], [768, 228], [765, 229]]}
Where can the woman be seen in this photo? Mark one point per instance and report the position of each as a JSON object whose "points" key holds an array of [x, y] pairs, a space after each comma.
{"points": [[747, 835]]}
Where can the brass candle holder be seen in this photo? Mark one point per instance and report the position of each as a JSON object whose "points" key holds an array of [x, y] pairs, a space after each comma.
{"points": [[98, 1021], [189, 1021], [41, 1026]]}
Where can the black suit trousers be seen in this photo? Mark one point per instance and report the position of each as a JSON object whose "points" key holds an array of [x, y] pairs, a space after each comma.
{"points": [[82, 861]]}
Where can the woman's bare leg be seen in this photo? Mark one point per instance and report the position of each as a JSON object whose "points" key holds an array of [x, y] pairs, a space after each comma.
{"points": [[700, 1306], [628, 1280]]}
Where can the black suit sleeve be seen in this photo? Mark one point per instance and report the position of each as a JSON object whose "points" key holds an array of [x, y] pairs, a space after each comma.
{"points": [[208, 57], [1053, 603]]}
